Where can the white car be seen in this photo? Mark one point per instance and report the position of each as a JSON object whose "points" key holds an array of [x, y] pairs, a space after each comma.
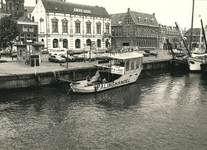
{"points": [[56, 58]]}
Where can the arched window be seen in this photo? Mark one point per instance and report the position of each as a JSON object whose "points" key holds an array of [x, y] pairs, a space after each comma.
{"points": [[55, 43], [88, 27], [98, 27], [88, 42], [77, 43], [98, 43], [65, 43]]}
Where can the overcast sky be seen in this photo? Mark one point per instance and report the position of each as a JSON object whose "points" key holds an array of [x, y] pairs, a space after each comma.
{"points": [[167, 12]]}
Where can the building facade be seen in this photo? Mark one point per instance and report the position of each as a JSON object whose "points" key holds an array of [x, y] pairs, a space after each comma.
{"points": [[134, 29], [170, 34], [72, 26], [197, 38], [15, 8]]}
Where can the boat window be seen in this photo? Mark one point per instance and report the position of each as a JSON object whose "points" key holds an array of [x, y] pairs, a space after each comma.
{"points": [[137, 63], [118, 62], [132, 65], [127, 65]]}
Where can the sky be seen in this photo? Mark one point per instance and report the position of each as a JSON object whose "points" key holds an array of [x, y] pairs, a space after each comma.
{"points": [[167, 12]]}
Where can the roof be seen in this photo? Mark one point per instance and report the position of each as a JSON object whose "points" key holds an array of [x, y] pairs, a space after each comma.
{"points": [[125, 56], [29, 9], [67, 7], [117, 19], [138, 18], [24, 19], [196, 31], [151, 20]]}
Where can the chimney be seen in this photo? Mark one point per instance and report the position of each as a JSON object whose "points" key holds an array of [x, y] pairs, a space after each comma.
{"points": [[36, 1], [153, 14], [128, 10]]}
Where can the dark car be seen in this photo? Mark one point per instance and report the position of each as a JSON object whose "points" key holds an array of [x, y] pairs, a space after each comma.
{"points": [[153, 53], [56, 58], [45, 52]]}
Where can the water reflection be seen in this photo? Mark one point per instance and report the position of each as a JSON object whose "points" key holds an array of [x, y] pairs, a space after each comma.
{"points": [[159, 112], [118, 98]]}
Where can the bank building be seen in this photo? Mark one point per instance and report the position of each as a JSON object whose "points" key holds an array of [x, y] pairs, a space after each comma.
{"points": [[73, 26]]}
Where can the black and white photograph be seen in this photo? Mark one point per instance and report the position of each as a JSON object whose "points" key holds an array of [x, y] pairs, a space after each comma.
{"points": [[103, 75]]}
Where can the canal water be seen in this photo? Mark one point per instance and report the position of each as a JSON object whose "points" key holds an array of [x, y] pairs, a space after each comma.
{"points": [[167, 112]]}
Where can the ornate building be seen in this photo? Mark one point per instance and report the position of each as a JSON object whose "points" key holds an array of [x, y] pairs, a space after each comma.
{"points": [[134, 29], [72, 26]]}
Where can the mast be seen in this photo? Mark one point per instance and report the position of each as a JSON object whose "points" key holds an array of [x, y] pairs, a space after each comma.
{"points": [[204, 36], [191, 34], [181, 35]]}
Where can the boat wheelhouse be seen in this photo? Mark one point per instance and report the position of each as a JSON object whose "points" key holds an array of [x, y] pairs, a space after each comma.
{"points": [[122, 69]]}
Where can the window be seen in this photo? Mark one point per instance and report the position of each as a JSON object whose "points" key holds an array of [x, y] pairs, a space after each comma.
{"points": [[99, 43], [77, 43], [31, 29], [28, 36], [55, 25], [65, 26], [88, 28], [138, 18], [22, 37], [107, 43], [65, 43], [127, 65], [98, 28], [107, 28], [17, 6], [25, 28], [132, 65], [55, 43], [77, 26], [137, 64]]}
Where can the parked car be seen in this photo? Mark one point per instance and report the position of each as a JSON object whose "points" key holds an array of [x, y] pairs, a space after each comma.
{"points": [[3, 52], [144, 53], [153, 53], [45, 52], [69, 58], [56, 58], [86, 56]]}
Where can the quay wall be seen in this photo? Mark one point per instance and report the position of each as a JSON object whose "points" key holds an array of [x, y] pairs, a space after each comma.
{"points": [[47, 78]]}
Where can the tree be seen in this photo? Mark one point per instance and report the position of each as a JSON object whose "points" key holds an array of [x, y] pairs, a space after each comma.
{"points": [[9, 31]]}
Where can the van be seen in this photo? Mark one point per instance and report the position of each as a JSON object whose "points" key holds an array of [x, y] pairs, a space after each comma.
{"points": [[58, 51]]}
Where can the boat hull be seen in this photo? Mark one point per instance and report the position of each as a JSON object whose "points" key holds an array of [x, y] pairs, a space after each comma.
{"points": [[98, 87], [204, 68], [181, 64]]}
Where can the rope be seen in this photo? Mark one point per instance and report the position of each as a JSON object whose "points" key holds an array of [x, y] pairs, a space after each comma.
{"points": [[148, 73]]}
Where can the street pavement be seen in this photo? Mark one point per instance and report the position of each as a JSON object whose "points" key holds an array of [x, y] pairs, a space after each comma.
{"points": [[15, 67]]}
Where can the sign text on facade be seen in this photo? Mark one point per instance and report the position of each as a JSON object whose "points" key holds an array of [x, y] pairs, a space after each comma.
{"points": [[82, 10]]}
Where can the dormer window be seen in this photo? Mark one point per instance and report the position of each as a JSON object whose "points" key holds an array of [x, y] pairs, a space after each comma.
{"points": [[152, 20], [119, 22], [145, 19], [138, 18]]}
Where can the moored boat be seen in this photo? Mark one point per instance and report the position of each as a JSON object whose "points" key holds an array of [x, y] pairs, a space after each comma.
{"points": [[122, 69]]}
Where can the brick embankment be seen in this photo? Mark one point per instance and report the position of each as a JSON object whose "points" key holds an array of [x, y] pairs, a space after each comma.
{"points": [[14, 67]]}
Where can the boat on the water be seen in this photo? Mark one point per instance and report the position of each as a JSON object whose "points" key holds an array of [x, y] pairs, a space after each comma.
{"points": [[199, 55], [122, 69]]}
